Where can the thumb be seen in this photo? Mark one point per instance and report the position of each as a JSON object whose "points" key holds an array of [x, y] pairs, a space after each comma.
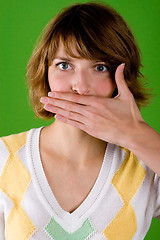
{"points": [[120, 81]]}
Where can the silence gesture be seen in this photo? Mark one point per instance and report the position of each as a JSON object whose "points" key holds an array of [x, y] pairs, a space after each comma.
{"points": [[109, 119], [116, 120]]}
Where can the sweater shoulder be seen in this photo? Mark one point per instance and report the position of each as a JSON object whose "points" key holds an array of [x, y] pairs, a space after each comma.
{"points": [[13, 142], [9, 146]]}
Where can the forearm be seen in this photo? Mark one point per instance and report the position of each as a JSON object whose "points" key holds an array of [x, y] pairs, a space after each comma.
{"points": [[145, 144]]}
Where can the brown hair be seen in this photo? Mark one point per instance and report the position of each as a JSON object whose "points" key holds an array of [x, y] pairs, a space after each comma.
{"points": [[98, 32]]}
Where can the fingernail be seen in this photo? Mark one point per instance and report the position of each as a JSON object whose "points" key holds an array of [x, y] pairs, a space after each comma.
{"points": [[43, 100], [51, 94], [122, 67]]}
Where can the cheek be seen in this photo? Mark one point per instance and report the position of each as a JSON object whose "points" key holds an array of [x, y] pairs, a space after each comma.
{"points": [[57, 83], [105, 88]]}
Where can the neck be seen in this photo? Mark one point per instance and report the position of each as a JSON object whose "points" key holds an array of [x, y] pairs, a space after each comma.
{"points": [[72, 144]]}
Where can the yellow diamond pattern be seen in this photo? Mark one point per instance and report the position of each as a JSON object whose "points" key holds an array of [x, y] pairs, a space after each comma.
{"points": [[126, 181], [14, 181]]}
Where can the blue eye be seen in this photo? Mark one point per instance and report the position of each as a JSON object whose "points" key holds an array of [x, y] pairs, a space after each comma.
{"points": [[101, 68], [63, 65]]}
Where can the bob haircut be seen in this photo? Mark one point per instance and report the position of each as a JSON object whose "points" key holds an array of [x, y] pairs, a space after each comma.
{"points": [[97, 32]]}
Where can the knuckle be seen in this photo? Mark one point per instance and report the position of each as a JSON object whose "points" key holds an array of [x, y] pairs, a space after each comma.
{"points": [[51, 101]]}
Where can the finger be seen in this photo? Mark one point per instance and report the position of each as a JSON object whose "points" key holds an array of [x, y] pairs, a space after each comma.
{"points": [[122, 87], [71, 122], [67, 114], [72, 97], [69, 106]]}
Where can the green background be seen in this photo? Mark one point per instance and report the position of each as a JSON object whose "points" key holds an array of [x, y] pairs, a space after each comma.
{"points": [[21, 23]]}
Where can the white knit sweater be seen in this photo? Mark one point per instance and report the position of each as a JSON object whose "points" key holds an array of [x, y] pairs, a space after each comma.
{"points": [[120, 206]]}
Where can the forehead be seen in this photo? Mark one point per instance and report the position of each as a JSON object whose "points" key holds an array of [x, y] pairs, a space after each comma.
{"points": [[62, 51]]}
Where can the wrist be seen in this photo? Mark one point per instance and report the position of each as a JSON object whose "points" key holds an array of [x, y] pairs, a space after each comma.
{"points": [[137, 136], [143, 138]]}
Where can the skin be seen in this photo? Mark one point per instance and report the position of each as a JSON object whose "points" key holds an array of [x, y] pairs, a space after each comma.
{"points": [[83, 76], [92, 115]]}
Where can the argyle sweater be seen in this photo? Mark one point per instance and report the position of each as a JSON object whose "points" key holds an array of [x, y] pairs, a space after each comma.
{"points": [[120, 206]]}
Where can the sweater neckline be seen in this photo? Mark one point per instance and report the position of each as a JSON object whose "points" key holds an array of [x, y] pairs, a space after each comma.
{"points": [[68, 220]]}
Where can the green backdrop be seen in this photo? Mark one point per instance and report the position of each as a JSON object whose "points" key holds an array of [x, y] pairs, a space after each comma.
{"points": [[21, 23]]}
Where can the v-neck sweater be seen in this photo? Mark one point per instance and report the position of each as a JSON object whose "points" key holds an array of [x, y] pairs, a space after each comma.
{"points": [[120, 206]]}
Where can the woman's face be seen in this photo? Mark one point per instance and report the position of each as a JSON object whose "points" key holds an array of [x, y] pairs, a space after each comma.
{"points": [[87, 77]]}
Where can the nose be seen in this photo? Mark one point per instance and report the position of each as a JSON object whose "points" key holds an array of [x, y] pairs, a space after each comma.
{"points": [[80, 82]]}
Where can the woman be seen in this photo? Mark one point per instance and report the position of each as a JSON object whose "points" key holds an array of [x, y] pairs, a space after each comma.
{"points": [[94, 172]]}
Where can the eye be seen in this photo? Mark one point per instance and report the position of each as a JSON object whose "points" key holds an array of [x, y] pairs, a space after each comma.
{"points": [[63, 65], [101, 68]]}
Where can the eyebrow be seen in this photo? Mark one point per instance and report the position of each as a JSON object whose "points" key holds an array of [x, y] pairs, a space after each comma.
{"points": [[63, 58], [71, 59]]}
